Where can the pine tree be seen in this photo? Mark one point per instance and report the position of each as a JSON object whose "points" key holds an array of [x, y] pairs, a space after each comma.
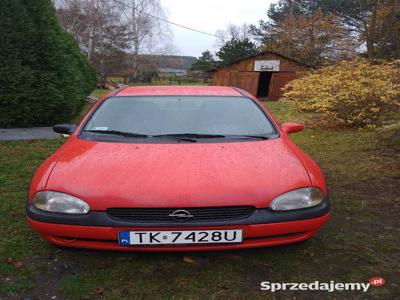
{"points": [[43, 76], [205, 62], [235, 50]]}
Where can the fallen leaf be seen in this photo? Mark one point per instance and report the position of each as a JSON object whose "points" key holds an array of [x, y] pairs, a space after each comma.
{"points": [[99, 290], [189, 260], [18, 264]]}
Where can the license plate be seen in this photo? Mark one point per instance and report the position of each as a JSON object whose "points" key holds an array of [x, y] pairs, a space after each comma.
{"points": [[179, 237]]}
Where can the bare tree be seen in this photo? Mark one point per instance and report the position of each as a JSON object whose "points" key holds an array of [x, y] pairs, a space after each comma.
{"points": [[146, 30], [88, 21], [99, 30], [236, 32], [116, 29]]}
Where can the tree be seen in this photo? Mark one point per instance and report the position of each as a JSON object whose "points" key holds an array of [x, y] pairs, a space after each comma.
{"points": [[205, 62], [313, 39], [293, 8], [374, 24], [43, 76], [236, 32], [235, 50], [388, 37], [148, 73], [98, 28], [106, 29], [142, 18]]}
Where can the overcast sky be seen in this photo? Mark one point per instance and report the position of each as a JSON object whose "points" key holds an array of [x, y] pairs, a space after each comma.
{"points": [[209, 16]]}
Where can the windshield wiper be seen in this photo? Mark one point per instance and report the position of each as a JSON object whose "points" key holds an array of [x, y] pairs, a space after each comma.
{"points": [[191, 135], [176, 136], [121, 133], [211, 136], [247, 136]]}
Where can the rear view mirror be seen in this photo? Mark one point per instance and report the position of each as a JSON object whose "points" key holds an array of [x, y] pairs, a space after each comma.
{"points": [[64, 128], [292, 127]]}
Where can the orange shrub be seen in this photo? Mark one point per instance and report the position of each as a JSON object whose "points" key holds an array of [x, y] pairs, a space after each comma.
{"points": [[350, 93]]}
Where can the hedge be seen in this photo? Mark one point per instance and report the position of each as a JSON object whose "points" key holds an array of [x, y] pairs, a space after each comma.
{"points": [[44, 77]]}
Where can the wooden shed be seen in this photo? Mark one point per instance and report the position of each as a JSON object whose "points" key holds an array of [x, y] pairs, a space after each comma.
{"points": [[262, 75]]}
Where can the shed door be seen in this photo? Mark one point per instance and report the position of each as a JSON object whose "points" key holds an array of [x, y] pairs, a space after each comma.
{"points": [[278, 81], [247, 81]]}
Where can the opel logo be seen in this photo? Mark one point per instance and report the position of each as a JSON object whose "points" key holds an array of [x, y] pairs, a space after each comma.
{"points": [[181, 215]]}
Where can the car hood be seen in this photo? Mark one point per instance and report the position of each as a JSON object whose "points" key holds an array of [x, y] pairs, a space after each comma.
{"points": [[177, 175]]}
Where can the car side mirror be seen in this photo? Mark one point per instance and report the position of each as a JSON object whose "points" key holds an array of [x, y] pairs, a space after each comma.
{"points": [[292, 127], [64, 128]]}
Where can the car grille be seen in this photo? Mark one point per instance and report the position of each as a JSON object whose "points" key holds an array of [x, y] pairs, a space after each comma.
{"points": [[149, 215]]}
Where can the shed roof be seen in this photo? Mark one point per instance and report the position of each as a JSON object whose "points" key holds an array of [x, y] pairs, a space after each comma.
{"points": [[263, 53]]}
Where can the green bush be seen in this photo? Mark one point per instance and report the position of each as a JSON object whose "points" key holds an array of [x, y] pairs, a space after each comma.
{"points": [[44, 77]]}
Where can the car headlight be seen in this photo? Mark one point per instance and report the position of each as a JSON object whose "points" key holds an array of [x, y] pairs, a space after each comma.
{"points": [[60, 203], [297, 199]]}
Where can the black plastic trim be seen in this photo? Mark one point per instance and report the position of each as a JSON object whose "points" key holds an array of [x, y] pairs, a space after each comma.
{"points": [[100, 218]]}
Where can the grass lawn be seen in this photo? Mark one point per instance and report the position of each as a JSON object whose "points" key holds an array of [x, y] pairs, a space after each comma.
{"points": [[360, 241], [96, 93], [99, 92]]}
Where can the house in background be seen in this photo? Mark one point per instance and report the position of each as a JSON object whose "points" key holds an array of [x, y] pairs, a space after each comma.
{"points": [[173, 71], [262, 75]]}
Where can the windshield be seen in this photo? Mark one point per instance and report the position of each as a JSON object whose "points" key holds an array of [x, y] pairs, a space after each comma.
{"points": [[163, 115]]}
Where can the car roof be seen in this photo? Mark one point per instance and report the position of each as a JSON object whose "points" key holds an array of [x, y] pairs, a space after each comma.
{"points": [[179, 91]]}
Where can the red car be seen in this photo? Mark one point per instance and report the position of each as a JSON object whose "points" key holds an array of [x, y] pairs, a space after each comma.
{"points": [[178, 168]]}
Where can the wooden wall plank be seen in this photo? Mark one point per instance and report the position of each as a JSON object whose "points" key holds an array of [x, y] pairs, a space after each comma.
{"points": [[242, 74]]}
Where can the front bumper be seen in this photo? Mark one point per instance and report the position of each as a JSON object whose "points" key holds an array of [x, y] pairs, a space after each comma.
{"points": [[98, 231]]}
